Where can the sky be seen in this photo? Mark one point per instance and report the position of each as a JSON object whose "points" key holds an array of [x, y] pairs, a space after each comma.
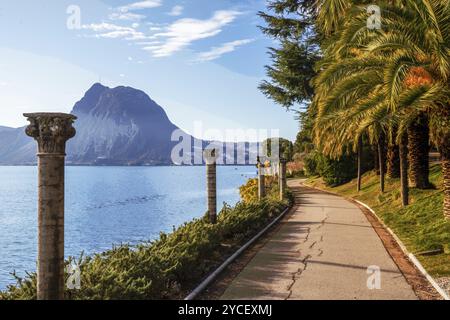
{"points": [[201, 60]]}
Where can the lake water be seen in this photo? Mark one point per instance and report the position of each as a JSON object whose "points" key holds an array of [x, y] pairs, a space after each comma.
{"points": [[106, 206]]}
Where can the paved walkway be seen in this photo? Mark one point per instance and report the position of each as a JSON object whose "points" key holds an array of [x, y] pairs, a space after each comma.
{"points": [[321, 251]]}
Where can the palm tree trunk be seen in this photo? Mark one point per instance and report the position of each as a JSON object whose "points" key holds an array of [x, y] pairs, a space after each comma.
{"points": [[444, 149], [446, 176], [418, 149], [403, 150], [393, 161], [376, 162], [381, 160], [360, 147]]}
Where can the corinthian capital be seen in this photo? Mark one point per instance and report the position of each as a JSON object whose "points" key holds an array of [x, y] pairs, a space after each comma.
{"points": [[51, 131]]}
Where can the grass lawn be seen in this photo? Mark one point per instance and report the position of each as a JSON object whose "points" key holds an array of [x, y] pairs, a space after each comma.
{"points": [[421, 226]]}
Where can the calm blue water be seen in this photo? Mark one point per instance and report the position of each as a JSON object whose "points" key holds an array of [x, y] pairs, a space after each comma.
{"points": [[105, 206]]}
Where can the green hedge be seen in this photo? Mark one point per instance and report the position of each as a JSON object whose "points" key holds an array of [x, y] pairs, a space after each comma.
{"points": [[168, 267], [336, 172]]}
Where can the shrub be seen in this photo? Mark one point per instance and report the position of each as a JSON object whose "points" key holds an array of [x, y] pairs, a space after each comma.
{"points": [[337, 172], [249, 191], [310, 164], [333, 171]]}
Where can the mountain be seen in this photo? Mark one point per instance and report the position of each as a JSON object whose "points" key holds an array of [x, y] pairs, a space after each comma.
{"points": [[115, 126], [16, 147], [120, 126]]}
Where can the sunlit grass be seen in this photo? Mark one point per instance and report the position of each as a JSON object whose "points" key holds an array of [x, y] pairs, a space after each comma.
{"points": [[421, 226]]}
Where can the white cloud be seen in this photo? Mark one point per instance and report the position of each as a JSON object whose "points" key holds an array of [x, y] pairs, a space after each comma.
{"points": [[113, 31], [100, 27], [183, 32], [127, 16], [176, 11], [141, 5], [217, 52], [148, 43]]}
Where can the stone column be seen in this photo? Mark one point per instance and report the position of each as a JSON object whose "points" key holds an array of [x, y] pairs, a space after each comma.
{"points": [[51, 131], [211, 183], [282, 178], [261, 180]]}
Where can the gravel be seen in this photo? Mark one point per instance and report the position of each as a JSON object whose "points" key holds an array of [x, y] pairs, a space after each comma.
{"points": [[444, 283]]}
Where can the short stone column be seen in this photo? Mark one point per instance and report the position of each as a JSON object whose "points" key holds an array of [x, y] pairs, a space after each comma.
{"points": [[211, 183], [51, 131], [282, 178], [261, 180]]}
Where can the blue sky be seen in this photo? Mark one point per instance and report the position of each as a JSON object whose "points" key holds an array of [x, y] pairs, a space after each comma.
{"points": [[201, 60]]}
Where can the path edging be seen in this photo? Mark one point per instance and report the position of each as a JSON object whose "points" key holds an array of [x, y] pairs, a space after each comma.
{"points": [[411, 256], [212, 276]]}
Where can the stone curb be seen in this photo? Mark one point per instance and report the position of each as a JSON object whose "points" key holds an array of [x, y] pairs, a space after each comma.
{"points": [[411, 257]]}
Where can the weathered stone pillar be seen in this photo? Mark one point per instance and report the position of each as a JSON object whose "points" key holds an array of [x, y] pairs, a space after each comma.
{"points": [[282, 178], [51, 131], [211, 183], [261, 180]]}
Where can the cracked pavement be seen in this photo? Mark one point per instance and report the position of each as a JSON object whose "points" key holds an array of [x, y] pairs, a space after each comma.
{"points": [[321, 250]]}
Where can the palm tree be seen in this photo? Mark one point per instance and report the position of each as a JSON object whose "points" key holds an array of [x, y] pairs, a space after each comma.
{"points": [[418, 44], [347, 87], [418, 137], [414, 48]]}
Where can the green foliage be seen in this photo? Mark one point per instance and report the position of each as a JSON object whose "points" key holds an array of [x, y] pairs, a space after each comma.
{"points": [[168, 267], [333, 171], [291, 22], [249, 191], [285, 148], [287, 86], [310, 164], [303, 142]]}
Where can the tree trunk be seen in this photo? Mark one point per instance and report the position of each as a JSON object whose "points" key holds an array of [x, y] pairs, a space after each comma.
{"points": [[376, 162], [403, 150], [393, 161], [360, 147], [444, 149], [381, 160], [418, 150], [446, 176]]}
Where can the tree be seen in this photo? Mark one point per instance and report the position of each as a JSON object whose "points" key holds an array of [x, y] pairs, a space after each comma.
{"points": [[393, 155], [403, 152], [418, 136], [286, 148], [411, 81], [418, 43], [291, 23]]}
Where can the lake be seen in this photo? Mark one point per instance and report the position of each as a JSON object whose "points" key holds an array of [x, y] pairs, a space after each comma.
{"points": [[106, 206]]}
